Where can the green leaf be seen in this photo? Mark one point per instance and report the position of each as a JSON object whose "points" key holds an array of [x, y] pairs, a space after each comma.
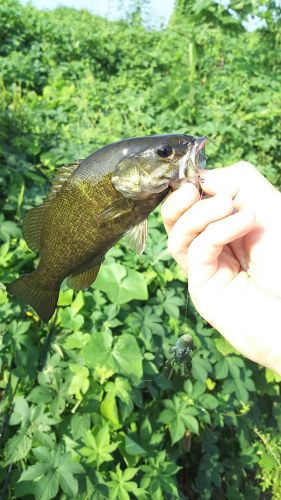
{"points": [[97, 447], [233, 368], [80, 424], [17, 447], [121, 285], [221, 369], [47, 487], [76, 340], [127, 356], [191, 423], [70, 320], [224, 347], [68, 484], [123, 357], [33, 472], [200, 368], [79, 382], [240, 391], [120, 388], [177, 429], [198, 389], [43, 454], [65, 297], [209, 401], [120, 484], [108, 409], [99, 350], [20, 412], [179, 417], [41, 394], [54, 469], [9, 230], [166, 416], [133, 448], [129, 473], [267, 462], [77, 303], [201, 5], [272, 376]]}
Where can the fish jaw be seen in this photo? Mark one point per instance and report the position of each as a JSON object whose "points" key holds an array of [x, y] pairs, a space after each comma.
{"points": [[190, 163]]}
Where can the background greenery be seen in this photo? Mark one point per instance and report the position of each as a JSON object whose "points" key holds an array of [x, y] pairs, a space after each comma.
{"points": [[101, 420]]}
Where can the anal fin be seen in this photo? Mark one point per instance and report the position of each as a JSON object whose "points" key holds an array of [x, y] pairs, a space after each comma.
{"points": [[84, 279]]}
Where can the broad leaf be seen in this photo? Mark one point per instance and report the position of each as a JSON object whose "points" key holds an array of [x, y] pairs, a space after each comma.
{"points": [[121, 285]]}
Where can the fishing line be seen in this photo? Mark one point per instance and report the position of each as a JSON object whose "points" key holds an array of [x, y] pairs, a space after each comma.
{"points": [[187, 296], [153, 379], [172, 368]]}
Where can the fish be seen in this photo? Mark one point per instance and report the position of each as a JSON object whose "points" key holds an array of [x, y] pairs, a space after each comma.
{"points": [[94, 202]]}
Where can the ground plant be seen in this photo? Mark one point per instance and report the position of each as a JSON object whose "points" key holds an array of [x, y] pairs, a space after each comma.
{"points": [[89, 413]]}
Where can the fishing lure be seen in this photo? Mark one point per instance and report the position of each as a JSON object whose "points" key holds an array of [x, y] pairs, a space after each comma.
{"points": [[181, 351]]}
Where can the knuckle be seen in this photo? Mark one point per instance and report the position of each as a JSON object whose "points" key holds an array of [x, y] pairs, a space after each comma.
{"points": [[210, 231], [243, 165], [193, 250], [166, 214], [171, 247]]}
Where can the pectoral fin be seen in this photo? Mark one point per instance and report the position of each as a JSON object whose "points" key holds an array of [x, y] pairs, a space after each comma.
{"points": [[85, 279], [136, 237], [119, 208]]}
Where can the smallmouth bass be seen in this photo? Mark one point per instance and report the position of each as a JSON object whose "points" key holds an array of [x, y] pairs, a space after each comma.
{"points": [[94, 202]]}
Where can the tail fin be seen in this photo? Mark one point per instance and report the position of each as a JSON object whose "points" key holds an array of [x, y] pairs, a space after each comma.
{"points": [[26, 289]]}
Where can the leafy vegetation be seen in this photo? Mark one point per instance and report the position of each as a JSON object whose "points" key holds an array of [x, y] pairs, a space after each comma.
{"points": [[92, 415]]}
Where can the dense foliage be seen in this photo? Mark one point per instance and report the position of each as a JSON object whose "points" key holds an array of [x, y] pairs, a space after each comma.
{"points": [[95, 416]]}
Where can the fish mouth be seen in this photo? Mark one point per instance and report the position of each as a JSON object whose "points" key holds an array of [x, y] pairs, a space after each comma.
{"points": [[201, 143], [193, 159], [198, 147]]}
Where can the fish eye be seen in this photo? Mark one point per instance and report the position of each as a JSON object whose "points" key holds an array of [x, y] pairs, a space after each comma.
{"points": [[164, 150]]}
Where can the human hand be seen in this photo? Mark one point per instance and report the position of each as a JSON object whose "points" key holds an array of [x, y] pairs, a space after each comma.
{"points": [[230, 247]]}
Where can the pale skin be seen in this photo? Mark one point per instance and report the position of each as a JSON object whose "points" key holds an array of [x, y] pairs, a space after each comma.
{"points": [[229, 245]]}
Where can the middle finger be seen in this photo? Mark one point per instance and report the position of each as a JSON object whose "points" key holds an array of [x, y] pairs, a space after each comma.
{"points": [[195, 220]]}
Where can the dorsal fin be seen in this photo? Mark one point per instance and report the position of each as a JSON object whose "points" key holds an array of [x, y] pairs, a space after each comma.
{"points": [[34, 220], [60, 176]]}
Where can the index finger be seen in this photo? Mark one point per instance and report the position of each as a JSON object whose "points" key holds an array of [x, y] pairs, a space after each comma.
{"points": [[177, 203]]}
